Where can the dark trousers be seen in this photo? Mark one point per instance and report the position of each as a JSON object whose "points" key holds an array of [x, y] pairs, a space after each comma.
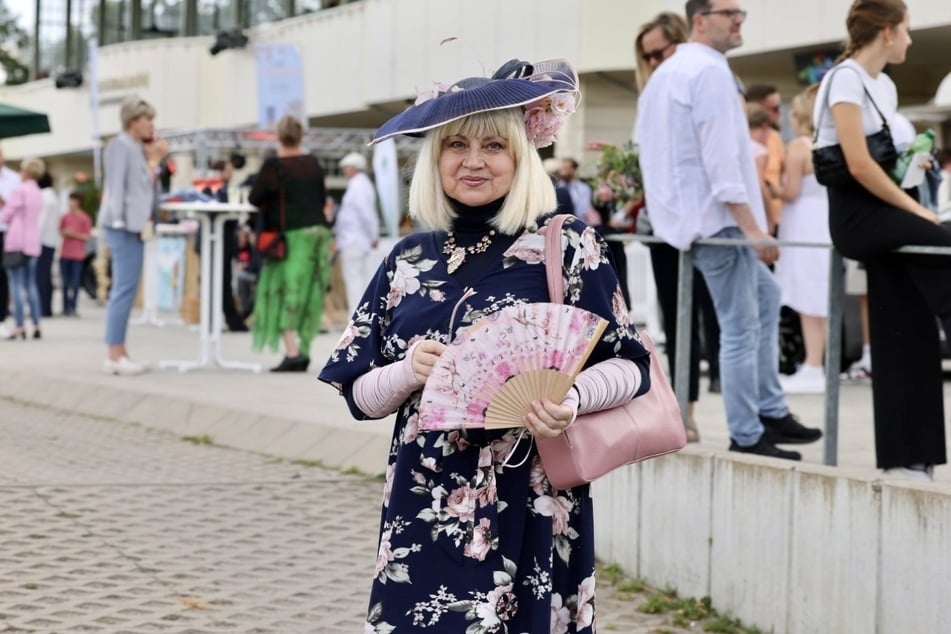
{"points": [[232, 316], [72, 273], [4, 288], [665, 261], [905, 294], [44, 280]]}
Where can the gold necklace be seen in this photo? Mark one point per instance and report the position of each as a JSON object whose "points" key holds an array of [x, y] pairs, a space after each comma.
{"points": [[457, 255]]}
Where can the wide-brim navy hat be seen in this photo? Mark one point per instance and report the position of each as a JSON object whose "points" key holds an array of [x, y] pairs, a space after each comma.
{"points": [[516, 83]]}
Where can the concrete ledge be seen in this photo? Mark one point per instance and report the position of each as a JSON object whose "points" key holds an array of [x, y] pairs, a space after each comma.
{"points": [[788, 547], [360, 446]]}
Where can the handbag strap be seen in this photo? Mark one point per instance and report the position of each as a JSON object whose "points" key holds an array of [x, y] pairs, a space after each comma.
{"points": [[554, 258], [815, 137]]}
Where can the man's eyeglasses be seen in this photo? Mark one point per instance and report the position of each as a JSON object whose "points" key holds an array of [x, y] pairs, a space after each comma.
{"points": [[657, 54], [732, 14]]}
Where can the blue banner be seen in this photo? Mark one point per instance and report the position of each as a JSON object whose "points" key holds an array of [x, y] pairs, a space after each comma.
{"points": [[280, 84]]}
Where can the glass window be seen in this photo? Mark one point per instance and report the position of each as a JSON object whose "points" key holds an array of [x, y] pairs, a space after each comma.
{"points": [[215, 15]]}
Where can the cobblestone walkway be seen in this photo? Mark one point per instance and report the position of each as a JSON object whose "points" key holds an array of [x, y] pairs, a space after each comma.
{"points": [[114, 528]]}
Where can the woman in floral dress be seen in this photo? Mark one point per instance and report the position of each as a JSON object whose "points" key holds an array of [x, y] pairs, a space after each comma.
{"points": [[473, 537]]}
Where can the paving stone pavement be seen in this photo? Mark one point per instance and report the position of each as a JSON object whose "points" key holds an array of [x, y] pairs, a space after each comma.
{"points": [[115, 528]]}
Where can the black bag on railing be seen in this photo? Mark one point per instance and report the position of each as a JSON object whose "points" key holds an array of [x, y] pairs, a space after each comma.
{"points": [[829, 162]]}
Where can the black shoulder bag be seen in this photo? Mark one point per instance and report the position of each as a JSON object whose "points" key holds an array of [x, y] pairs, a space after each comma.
{"points": [[829, 162]]}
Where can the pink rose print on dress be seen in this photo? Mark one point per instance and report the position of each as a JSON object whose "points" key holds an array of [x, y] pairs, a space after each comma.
{"points": [[529, 248], [388, 484], [590, 249], [560, 616], [405, 282], [586, 603], [348, 336], [558, 509], [385, 554], [461, 504], [619, 308], [481, 542]]}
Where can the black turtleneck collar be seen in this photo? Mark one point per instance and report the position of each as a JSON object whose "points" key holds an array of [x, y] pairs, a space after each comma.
{"points": [[470, 220]]}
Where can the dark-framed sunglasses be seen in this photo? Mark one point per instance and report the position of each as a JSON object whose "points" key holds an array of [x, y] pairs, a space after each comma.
{"points": [[731, 14], [657, 54]]}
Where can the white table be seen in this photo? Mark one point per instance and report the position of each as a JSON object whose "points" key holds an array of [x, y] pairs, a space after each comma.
{"points": [[212, 217]]}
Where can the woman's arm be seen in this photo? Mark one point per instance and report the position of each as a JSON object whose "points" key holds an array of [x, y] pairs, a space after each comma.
{"points": [[764, 188], [869, 174], [264, 184], [13, 206], [797, 156], [381, 391]]}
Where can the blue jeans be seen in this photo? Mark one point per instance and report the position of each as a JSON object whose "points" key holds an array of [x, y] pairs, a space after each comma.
{"points": [[22, 282], [746, 298], [127, 252], [72, 273]]}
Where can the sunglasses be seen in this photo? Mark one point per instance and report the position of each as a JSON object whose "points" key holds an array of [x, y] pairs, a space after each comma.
{"points": [[657, 54], [732, 14]]}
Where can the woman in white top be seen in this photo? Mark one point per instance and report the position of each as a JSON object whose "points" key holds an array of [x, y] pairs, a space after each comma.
{"points": [[802, 272], [870, 218], [49, 238]]}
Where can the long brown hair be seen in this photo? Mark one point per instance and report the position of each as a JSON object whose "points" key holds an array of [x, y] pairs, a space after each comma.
{"points": [[675, 30], [868, 18]]}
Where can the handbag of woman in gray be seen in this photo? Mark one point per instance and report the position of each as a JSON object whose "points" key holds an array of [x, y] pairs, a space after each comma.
{"points": [[870, 217], [474, 537]]}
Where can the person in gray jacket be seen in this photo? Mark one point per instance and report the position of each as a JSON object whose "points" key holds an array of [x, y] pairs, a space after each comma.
{"points": [[129, 201]]}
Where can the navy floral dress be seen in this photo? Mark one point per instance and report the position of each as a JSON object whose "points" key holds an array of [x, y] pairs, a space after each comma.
{"points": [[467, 544]]}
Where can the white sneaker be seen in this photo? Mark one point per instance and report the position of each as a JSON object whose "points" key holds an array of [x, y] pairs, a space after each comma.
{"points": [[4, 331], [808, 379], [915, 472], [861, 370], [123, 367]]}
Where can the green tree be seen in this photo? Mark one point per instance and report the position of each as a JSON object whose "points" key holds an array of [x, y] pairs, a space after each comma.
{"points": [[15, 42]]}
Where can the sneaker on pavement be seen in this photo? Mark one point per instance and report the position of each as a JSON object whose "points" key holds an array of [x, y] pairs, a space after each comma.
{"points": [[913, 472], [788, 429], [123, 367], [808, 379], [764, 447]]}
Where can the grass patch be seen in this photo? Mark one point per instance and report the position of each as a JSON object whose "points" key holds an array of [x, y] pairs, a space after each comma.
{"points": [[686, 613], [199, 440]]}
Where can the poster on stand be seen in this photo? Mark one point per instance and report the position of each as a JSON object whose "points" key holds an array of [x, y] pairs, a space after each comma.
{"points": [[171, 272]]}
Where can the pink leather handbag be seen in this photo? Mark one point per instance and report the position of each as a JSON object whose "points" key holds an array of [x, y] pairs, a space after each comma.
{"points": [[596, 443]]}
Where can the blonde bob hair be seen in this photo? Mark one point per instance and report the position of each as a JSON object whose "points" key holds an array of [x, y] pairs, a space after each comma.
{"points": [[133, 109], [532, 193], [33, 167]]}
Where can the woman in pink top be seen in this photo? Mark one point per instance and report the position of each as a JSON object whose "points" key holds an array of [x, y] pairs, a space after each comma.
{"points": [[22, 217]]}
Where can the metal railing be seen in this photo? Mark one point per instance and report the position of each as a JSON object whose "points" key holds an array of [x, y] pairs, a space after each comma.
{"points": [[833, 351]]}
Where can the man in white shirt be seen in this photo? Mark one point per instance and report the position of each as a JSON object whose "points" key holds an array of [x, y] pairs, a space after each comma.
{"points": [[9, 180], [357, 228], [701, 182], [579, 190]]}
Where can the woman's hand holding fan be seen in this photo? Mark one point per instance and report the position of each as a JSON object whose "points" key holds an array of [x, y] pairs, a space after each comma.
{"points": [[492, 373]]}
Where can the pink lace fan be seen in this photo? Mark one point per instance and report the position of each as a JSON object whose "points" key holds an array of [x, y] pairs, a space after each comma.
{"points": [[489, 376]]}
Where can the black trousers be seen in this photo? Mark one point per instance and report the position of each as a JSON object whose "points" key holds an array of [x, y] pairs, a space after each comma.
{"points": [[905, 294], [232, 316], [4, 288], [44, 280], [665, 261]]}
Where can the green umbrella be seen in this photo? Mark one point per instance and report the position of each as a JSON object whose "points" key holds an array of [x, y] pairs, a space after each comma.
{"points": [[19, 122]]}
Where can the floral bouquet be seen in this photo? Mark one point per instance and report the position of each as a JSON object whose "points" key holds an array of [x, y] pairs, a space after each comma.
{"points": [[619, 169]]}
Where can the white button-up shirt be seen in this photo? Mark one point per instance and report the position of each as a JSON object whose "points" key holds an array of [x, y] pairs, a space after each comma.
{"points": [[357, 225], [695, 150], [9, 180]]}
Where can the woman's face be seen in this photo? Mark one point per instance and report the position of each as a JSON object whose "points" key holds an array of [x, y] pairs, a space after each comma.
{"points": [[656, 47], [142, 128], [897, 41], [475, 171]]}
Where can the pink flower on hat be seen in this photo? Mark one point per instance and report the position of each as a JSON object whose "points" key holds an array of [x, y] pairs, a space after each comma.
{"points": [[544, 118]]}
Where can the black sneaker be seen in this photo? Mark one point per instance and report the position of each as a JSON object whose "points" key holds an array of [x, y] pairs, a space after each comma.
{"points": [[788, 429], [764, 447]]}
